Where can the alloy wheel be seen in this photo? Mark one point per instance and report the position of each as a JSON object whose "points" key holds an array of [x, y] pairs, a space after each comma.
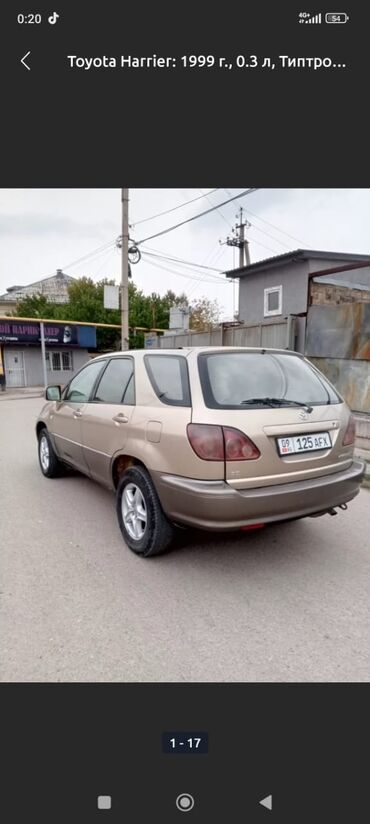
{"points": [[134, 512], [44, 453]]}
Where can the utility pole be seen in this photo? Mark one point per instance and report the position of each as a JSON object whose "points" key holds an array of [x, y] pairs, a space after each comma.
{"points": [[124, 272], [43, 354], [239, 240], [243, 243]]}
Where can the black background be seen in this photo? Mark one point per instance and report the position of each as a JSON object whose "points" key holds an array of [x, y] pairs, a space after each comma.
{"points": [[287, 127], [65, 744]]}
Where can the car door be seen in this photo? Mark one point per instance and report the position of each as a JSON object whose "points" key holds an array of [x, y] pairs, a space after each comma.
{"points": [[106, 418], [65, 421]]}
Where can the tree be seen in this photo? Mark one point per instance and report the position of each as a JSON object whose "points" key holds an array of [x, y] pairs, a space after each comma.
{"points": [[86, 304], [36, 306], [205, 313]]}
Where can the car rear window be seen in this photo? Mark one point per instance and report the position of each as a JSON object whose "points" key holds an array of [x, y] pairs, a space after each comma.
{"points": [[229, 379], [168, 375]]}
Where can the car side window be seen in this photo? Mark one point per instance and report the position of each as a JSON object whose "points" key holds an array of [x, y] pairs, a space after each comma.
{"points": [[169, 377], [116, 385], [80, 388]]}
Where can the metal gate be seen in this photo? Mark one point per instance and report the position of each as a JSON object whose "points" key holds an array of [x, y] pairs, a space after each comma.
{"points": [[14, 368]]}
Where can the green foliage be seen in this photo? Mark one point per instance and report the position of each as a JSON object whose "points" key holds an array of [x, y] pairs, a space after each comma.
{"points": [[86, 304]]}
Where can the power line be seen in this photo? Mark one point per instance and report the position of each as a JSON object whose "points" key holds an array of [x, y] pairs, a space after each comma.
{"points": [[107, 255], [262, 244], [177, 270], [181, 260], [186, 274], [213, 278], [200, 280], [174, 209], [195, 217], [273, 226], [219, 211], [95, 252]]}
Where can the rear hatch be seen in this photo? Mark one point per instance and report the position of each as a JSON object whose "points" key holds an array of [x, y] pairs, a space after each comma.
{"points": [[279, 401]]}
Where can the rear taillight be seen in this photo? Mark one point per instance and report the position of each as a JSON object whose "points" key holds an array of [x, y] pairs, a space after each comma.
{"points": [[238, 447], [221, 443], [350, 433], [207, 441]]}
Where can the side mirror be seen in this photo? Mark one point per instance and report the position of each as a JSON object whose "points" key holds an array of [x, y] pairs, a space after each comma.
{"points": [[53, 393]]}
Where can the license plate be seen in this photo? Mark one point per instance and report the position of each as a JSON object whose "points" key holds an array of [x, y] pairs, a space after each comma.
{"points": [[304, 443]]}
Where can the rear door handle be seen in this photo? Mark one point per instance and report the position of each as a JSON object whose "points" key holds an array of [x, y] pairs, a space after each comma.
{"points": [[120, 418], [77, 414]]}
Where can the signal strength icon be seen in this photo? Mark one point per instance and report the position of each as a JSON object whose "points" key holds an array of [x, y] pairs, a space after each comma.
{"points": [[317, 18]]}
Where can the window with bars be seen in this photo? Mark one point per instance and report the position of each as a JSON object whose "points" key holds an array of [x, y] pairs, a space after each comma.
{"points": [[59, 361]]}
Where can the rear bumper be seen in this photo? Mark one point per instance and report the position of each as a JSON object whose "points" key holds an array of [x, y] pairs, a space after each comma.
{"points": [[215, 505]]}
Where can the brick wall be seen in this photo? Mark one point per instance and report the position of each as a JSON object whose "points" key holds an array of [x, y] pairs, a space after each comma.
{"points": [[327, 293]]}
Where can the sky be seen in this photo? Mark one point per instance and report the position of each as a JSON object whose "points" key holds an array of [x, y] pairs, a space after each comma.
{"points": [[42, 230]]}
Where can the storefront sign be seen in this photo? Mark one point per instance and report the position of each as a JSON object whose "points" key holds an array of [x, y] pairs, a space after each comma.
{"points": [[18, 332]]}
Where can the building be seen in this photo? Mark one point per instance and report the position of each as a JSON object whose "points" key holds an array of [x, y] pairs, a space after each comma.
{"points": [[278, 287], [67, 345], [54, 288], [67, 349]]}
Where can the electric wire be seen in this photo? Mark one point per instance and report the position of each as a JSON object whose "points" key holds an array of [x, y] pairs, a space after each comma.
{"points": [[168, 211], [195, 217], [181, 260], [273, 226], [186, 274]]}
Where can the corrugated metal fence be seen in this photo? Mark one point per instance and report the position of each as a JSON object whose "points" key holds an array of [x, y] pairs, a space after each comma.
{"points": [[338, 343]]}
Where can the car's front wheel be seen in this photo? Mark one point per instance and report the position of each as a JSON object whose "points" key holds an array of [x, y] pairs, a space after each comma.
{"points": [[143, 524], [50, 465]]}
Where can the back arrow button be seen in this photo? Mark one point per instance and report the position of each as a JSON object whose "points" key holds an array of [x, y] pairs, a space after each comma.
{"points": [[23, 60], [267, 802]]}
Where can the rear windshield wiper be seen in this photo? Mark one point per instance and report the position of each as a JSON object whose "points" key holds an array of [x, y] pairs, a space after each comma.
{"points": [[276, 402]]}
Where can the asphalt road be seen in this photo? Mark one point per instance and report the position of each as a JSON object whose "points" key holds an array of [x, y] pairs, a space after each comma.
{"points": [[287, 603]]}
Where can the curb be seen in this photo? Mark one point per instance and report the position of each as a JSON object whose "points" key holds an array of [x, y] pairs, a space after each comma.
{"points": [[5, 396]]}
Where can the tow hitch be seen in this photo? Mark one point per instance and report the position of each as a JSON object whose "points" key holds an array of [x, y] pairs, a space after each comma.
{"points": [[331, 511]]}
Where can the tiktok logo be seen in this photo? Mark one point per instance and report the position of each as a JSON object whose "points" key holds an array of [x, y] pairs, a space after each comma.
{"points": [[53, 18]]}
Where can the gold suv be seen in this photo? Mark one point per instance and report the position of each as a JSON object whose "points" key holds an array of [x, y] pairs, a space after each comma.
{"points": [[220, 439]]}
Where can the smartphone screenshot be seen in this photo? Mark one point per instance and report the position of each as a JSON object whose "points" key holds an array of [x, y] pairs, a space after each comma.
{"points": [[184, 413]]}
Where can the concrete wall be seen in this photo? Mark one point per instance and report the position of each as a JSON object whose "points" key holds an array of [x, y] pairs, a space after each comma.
{"points": [[273, 333], [6, 307], [293, 277], [33, 366]]}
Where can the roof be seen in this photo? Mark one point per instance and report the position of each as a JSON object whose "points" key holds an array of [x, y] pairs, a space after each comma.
{"points": [[55, 289], [298, 255]]}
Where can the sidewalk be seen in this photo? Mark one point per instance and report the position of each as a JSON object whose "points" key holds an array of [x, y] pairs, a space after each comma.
{"points": [[14, 393]]}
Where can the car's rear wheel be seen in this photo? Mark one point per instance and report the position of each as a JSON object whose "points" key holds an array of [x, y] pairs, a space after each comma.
{"points": [[50, 465], [143, 524]]}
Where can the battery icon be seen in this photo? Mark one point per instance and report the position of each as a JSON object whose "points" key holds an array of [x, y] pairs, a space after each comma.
{"points": [[339, 17]]}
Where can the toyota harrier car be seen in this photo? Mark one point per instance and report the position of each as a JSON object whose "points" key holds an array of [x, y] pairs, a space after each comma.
{"points": [[218, 439]]}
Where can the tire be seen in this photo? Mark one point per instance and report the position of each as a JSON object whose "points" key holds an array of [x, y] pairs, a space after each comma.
{"points": [[50, 465], [152, 533]]}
